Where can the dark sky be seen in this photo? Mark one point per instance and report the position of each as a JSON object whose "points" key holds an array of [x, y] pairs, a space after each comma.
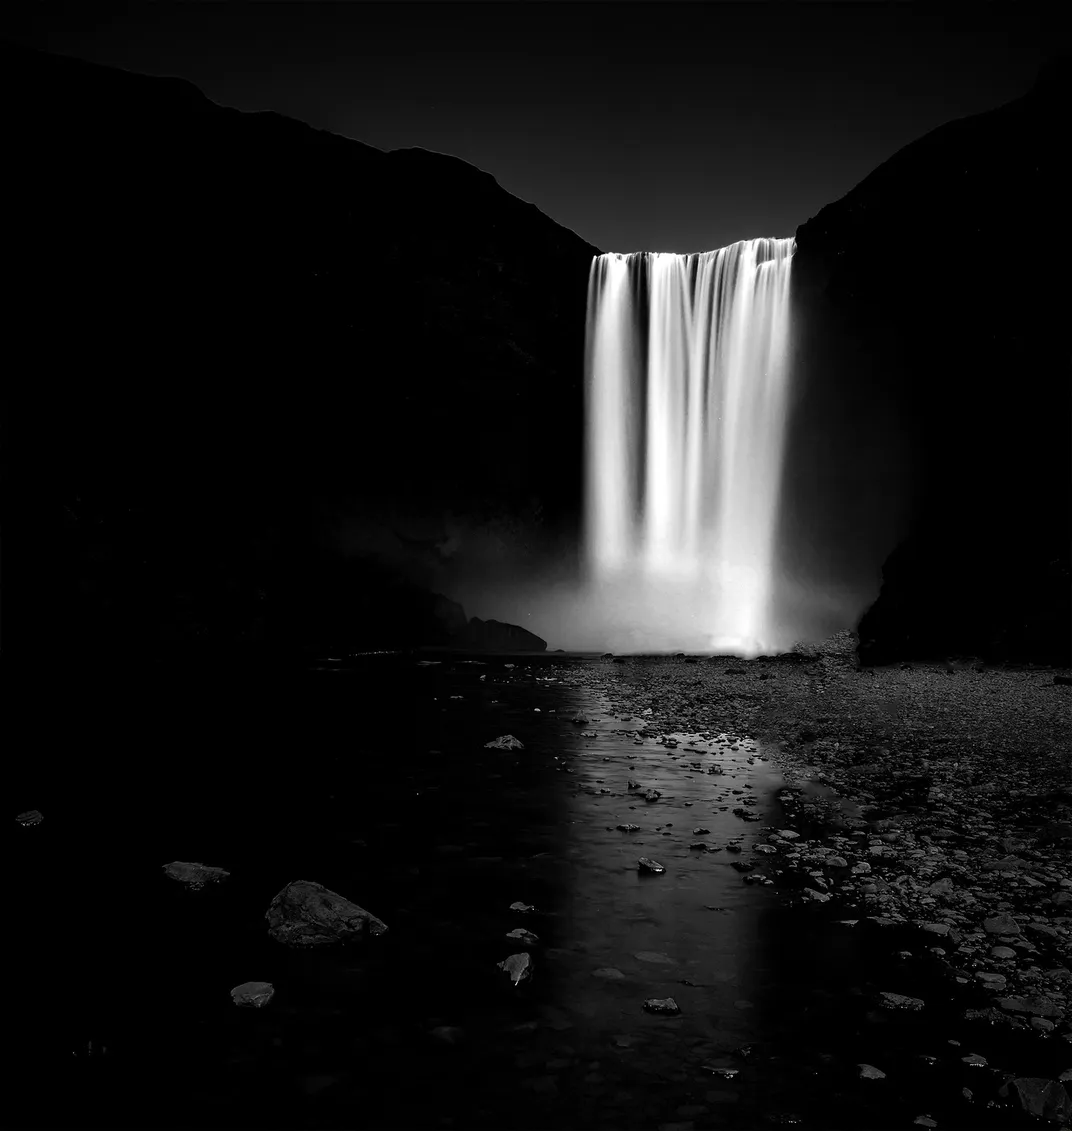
{"points": [[659, 127]]}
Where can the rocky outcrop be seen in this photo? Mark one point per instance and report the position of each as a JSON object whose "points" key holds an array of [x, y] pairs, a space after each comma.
{"points": [[497, 636], [945, 264], [272, 315]]}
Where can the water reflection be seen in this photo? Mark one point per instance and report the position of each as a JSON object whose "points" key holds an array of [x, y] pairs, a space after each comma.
{"points": [[391, 798]]}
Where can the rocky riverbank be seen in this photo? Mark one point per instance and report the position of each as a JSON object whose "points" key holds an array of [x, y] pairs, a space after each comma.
{"points": [[931, 801]]}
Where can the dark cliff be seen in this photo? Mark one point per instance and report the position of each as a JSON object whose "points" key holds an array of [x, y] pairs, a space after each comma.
{"points": [[228, 324], [947, 263]]}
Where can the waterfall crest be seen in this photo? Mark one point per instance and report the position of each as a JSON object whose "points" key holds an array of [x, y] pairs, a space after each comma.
{"points": [[686, 399]]}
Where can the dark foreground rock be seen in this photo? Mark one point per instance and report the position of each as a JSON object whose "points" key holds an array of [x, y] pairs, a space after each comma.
{"points": [[307, 914]]}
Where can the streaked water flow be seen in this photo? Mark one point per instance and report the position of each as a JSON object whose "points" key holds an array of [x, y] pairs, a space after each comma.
{"points": [[687, 385]]}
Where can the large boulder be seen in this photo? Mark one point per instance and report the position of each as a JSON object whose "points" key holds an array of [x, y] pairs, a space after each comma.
{"points": [[307, 914]]}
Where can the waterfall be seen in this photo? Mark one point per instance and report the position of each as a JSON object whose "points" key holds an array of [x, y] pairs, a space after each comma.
{"points": [[686, 398]]}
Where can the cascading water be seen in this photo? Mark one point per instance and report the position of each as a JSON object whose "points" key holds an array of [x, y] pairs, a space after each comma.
{"points": [[686, 389]]}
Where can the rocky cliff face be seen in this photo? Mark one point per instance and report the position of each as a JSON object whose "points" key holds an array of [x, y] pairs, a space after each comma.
{"points": [[223, 316], [947, 261]]}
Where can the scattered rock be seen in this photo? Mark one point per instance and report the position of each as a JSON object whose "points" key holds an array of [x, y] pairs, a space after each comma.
{"points": [[195, 875], [518, 967], [32, 817], [644, 864], [519, 934], [1046, 1099], [505, 742], [661, 1005], [255, 994], [1001, 925], [1039, 1006], [900, 1001], [308, 914], [870, 1072]]}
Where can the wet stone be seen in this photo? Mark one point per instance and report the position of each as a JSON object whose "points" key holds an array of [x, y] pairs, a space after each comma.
{"points": [[608, 974], [870, 1072], [628, 828], [504, 742], [526, 938], [522, 908], [661, 1005], [308, 914], [644, 864], [1039, 1006], [518, 967], [900, 1001], [254, 994], [194, 875], [1001, 925], [1043, 1098], [30, 818]]}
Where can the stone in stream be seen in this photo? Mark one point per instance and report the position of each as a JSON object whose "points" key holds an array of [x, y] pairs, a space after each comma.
{"points": [[632, 783], [661, 1005], [580, 720], [519, 934], [646, 865], [523, 908], [900, 1001], [504, 742], [305, 913], [518, 967], [700, 831], [195, 875], [698, 846], [654, 956], [255, 994], [32, 817], [652, 795], [628, 828], [608, 973], [870, 1072]]}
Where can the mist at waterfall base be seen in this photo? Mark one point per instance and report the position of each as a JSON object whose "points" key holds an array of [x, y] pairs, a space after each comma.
{"points": [[746, 469]]}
